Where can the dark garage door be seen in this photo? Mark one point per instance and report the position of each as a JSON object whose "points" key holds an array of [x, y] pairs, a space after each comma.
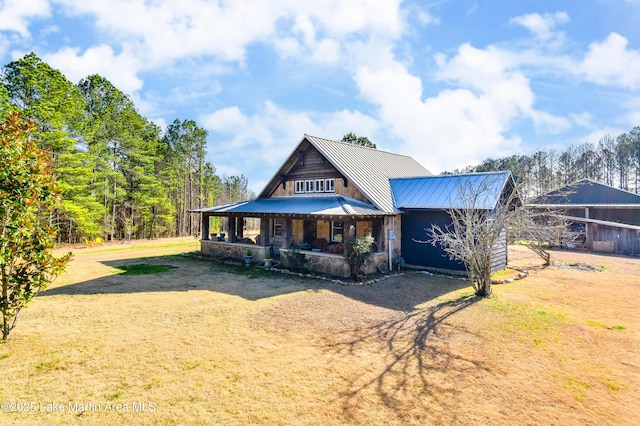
{"points": [[414, 225]]}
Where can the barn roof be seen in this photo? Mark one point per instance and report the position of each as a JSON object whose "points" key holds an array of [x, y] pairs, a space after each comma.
{"points": [[368, 169], [450, 191], [587, 193]]}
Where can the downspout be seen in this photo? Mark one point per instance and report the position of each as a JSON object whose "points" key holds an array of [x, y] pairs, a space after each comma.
{"points": [[390, 237]]}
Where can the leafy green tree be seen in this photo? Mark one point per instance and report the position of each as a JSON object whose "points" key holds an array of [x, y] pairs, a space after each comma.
{"points": [[5, 106], [44, 95], [187, 142], [126, 146], [27, 189], [358, 140]]}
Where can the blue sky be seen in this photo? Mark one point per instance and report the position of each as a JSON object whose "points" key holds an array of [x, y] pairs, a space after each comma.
{"points": [[447, 82]]}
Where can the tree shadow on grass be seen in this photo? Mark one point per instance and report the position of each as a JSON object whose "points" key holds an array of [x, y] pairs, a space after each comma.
{"points": [[177, 273], [417, 382], [400, 293]]}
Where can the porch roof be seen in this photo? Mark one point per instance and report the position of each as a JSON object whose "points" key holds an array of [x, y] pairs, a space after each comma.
{"points": [[326, 206]]}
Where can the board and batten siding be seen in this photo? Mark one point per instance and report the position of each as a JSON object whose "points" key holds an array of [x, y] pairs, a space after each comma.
{"points": [[500, 253], [420, 253], [315, 166]]}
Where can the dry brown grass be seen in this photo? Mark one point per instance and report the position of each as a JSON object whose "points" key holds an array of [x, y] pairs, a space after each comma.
{"points": [[216, 345]]}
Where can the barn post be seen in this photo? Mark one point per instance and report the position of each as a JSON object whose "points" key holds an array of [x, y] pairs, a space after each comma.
{"points": [[588, 230]]}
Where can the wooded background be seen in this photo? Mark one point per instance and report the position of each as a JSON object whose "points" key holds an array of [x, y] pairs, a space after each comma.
{"points": [[614, 161], [123, 177]]}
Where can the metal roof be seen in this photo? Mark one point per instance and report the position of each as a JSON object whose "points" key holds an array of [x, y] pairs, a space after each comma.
{"points": [[368, 169], [449, 191], [587, 193], [336, 205]]}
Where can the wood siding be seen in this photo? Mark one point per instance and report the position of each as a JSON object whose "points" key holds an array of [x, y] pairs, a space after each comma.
{"points": [[499, 255], [311, 165]]}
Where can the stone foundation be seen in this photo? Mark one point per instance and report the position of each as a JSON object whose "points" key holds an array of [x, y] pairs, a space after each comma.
{"points": [[320, 262]]}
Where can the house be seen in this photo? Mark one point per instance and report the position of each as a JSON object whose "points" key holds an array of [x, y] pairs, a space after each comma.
{"points": [[327, 192], [608, 216]]}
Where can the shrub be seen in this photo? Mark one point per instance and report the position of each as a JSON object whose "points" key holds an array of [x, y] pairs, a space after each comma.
{"points": [[357, 253], [297, 261]]}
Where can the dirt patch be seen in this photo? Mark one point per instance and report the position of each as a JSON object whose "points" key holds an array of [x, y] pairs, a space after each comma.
{"points": [[219, 344], [578, 266]]}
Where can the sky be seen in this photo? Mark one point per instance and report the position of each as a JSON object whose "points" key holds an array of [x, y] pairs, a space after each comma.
{"points": [[449, 83]]}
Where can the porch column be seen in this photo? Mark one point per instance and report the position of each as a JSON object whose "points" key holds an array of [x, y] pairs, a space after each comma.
{"points": [[264, 231], [232, 228], [240, 227], [286, 233], [378, 233], [205, 226], [349, 229]]}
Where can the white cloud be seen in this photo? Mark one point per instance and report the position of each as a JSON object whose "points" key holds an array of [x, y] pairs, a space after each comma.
{"points": [[119, 69], [166, 30], [462, 125], [583, 119], [15, 14], [610, 62], [541, 26], [450, 130], [632, 117], [263, 139], [227, 120]]}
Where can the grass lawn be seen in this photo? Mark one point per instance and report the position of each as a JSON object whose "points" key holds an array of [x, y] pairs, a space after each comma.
{"points": [[137, 334]]}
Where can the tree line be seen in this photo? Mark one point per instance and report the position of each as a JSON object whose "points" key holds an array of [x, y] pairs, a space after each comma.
{"points": [[612, 161], [121, 175]]}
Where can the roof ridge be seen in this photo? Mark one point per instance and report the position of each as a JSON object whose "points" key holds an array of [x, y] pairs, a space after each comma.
{"points": [[358, 146], [499, 172]]}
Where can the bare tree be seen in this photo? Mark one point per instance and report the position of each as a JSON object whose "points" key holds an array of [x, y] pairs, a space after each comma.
{"points": [[539, 230], [482, 211]]}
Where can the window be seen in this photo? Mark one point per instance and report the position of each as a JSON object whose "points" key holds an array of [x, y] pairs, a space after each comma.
{"points": [[309, 186], [277, 227], [337, 230], [329, 185], [317, 185]]}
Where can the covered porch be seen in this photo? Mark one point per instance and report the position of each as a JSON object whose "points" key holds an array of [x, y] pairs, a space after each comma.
{"points": [[317, 228]]}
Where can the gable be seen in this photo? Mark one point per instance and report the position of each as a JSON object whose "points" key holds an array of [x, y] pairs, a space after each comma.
{"points": [[364, 172], [309, 173]]}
